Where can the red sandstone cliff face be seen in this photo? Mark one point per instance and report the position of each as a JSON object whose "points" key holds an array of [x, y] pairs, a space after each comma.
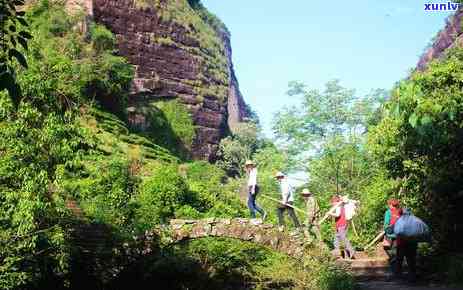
{"points": [[451, 35], [176, 56]]}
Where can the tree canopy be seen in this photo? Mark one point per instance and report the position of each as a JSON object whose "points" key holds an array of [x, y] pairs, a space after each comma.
{"points": [[13, 36]]}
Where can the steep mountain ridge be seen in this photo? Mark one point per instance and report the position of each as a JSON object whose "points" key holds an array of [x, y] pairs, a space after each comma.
{"points": [[179, 51], [449, 36]]}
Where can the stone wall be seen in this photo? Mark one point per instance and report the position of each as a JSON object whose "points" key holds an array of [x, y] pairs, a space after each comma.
{"points": [[451, 35], [251, 230], [172, 62]]}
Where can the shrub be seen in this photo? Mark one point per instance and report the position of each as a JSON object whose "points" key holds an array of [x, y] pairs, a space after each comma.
{"points": [[179, 119], [188, 212], [160, 195], [235, 149], [227, 205], [102, 38], [170, 126], [214, 198], [33, 241], [60, 23], [205, 172], [419, 141], [102, 186], [233, 155], [373, 201], [108, 81]]}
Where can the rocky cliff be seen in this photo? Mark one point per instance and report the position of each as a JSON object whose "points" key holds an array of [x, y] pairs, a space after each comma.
{"points": [[451, 35], [180, 51]]}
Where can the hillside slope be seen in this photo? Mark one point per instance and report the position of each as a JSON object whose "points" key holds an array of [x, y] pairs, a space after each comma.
{"points": [[179, 50]]}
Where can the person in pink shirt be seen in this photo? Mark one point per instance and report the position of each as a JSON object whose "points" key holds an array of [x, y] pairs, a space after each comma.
{"points": [[341, 225]]}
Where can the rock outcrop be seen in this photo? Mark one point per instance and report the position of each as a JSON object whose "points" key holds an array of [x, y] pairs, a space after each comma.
{"points": [[448, 37], [179, 52]]}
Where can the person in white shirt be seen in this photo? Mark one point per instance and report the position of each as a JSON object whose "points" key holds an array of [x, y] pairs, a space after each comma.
{"points": [[287, 199], [253, 190]]}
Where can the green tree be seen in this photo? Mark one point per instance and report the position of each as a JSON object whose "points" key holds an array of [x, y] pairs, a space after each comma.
{"points": [[40, 135], [33, 227], [419, 140], [160, 195], [237, 148], [325, 126], [13, 34]]}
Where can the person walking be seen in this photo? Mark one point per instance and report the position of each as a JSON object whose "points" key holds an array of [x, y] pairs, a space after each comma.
{"points": [[287, 200], [406, 249], [312, 212], [253, 190], [391, 216], [341, 224]]}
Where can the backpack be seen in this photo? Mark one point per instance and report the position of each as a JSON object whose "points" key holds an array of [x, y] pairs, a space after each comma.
{"points": [[412, 228], [395, 215], [350, 210]]}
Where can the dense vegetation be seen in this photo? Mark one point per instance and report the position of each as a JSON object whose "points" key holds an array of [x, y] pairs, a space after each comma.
{"points": [[72, 169], [419, 142], [13, 35], [73, 166], [407, 145]]}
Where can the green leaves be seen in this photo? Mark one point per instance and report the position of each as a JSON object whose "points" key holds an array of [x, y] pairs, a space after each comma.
{"points": [[33, 144], [413, 120], [12, 34], [334, 114], [237, 148], [102, 38], [13, 53], [423, 140]]}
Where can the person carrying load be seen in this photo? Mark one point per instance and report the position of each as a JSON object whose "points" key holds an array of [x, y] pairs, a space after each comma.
{"points": [[287, 200], [341, 225], [312, 212], [409, 231]]}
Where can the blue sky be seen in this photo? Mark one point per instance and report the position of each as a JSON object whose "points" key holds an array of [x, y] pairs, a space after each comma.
{"points": [[366, 44]]}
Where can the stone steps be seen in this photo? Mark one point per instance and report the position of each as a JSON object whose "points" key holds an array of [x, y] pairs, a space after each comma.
{"points": [[88, 237], [365, 267]]}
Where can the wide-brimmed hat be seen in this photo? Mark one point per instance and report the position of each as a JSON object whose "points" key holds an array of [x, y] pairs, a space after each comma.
{"points": [[306, 192], [249, 162], [279, 174]]}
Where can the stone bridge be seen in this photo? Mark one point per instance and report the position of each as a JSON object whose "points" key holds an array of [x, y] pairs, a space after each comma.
{"points": [[96, 240], [250, 230]]}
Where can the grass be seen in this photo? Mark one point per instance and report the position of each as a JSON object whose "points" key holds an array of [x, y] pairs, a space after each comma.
{"points": [[114, 137], [256, 267], [169, 124]]}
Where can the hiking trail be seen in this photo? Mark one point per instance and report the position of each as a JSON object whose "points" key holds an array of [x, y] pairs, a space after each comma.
{"points": [[372, 273]]}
